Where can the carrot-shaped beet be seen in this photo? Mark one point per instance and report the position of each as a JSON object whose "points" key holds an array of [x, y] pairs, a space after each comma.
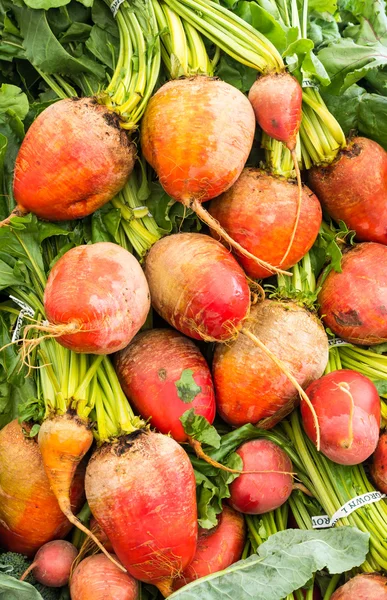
{"points": [[210, 128], [164, 374], [29, 512], [198, 287], [217, 548], [258, 210], [277, 102]]}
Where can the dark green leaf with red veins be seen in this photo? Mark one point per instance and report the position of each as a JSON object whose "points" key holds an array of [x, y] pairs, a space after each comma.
{"points": [[285, 563], [199, 429], [187, 388]]}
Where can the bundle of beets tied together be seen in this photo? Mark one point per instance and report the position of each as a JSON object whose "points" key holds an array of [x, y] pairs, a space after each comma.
{"points": [[189, 386]]}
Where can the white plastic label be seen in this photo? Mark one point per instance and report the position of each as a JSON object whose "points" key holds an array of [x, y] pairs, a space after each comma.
{"points": [[323, 521], [25, 310], [115, 5], [337, 342], [309, 83]]}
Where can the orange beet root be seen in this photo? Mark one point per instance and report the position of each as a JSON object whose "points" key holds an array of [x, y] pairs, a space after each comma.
{"points": [[353, 303], [197, 134], [258, 211], [142, 493], [73, 159], [197, 286], [29, 511], [354, 189], [258, 388]]}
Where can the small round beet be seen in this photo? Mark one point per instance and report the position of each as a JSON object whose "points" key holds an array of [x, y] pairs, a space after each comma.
{"points": [[270, 487], [53, 563]]}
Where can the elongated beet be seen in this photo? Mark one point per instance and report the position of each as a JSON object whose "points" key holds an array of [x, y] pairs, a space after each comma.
{"points": [[348, 409], [353, 303], [163, 375], [379, 464], [258, 493], [142, 492], [258, 211], [97, 578], [258, 389], [29, 512], [354, 189], [74, 158], [197, 286], [217, 548], [366, 586], [277, 102], [96, 298]]}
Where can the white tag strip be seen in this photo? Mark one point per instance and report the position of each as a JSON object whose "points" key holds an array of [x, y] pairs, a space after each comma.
{"points": [[25, 310], [337, 342], [309, 83], [323, 521], [115, 5]]}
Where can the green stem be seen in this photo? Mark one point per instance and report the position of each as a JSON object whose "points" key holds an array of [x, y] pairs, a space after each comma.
{"points": [[332, 586]]}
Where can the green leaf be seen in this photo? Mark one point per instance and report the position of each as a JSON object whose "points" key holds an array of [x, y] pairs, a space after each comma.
{"points": [[12, 589], [102, 44], [323, 6], [350, 59], [77, 32], [46, 4], [358, 110], [12, 98], [267, 24], [200, 429], [381, 386], [232, 72], [285, 563], [45, 52], [187, 388]]}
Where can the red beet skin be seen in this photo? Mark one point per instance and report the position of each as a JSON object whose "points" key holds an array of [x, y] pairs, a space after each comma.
{"points": [[258, 211], [74, 158], [367, 586], [152, 372], [354, 189], [347, 405], [197, 286], [353, 304], [379, 464], [217, 548], [258, 493], [102, 289], [277, 104], [142, 493], [210, 127]]}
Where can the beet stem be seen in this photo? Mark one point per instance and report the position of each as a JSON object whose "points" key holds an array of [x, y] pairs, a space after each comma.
{"points": [[17, 212]]}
